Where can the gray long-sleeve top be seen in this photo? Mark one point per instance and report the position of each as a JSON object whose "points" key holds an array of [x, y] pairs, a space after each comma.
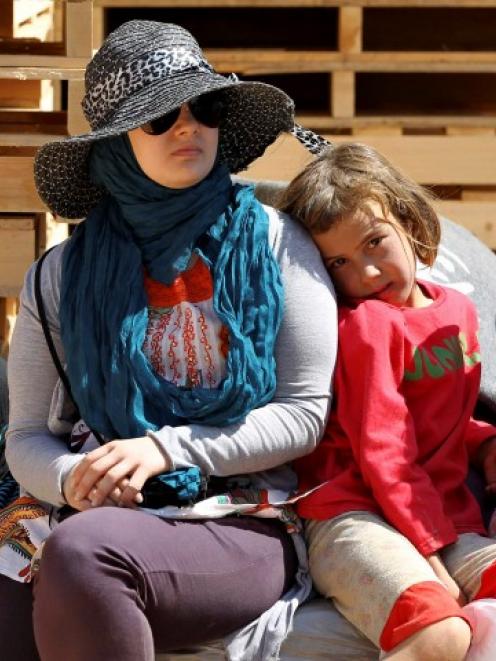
{"points": [[269, 437]]}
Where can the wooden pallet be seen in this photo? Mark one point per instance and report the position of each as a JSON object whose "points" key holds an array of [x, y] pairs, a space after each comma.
{"points": [[25, 60], [379, 71]]}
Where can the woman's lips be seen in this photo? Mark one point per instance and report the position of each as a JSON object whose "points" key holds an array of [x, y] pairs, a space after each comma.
{"points": [[187, 151]]}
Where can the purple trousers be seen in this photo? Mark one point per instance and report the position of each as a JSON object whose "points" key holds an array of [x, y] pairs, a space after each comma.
{"points": [[117, 584]]}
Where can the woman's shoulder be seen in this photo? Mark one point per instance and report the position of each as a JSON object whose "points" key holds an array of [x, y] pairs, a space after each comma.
{"points": [[289, 239], [49, 277]]}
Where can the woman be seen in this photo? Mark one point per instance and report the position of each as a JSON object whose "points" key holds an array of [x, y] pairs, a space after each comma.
{"points": [[187, 317]]}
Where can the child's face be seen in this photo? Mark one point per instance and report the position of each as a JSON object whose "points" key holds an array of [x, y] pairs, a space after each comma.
{"points": [[369, 256]]}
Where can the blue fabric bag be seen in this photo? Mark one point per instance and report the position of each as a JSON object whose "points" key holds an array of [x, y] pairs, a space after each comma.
{"points": [[181, 487]]}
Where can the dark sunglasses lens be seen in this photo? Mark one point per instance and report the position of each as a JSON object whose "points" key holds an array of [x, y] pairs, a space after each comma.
{"points": [[161, 124], [208, 109]]}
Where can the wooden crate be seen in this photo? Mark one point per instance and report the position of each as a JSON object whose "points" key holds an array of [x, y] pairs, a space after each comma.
{"points": [[29, 59], [23, 238], [416, 79], [17, 251]]}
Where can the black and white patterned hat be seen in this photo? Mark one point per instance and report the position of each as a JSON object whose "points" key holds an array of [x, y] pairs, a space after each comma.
{"points": [[143, 70]]}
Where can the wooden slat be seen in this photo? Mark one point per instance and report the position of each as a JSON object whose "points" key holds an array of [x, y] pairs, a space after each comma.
{"points": [[76, 121], [326, 122], [363, 133], [98, 26], [441, 160], [79, 27], [470, 130], [32, 121], [17, 189], [478, 217], [20, 93], [343, 94], [343, 82], [31, 47], [272, 60], [17, 252], [6, 19], [52, 68], [8, 313], [350, 29], [30, 141], [293, 3]]}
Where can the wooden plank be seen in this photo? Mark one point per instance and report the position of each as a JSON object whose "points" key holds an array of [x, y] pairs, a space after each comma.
{"points": [[54, 72], [20, 93], [479, 195], [79, 28], [350, 29], [31, 47], [6, 19], [326, 122], [294, 3], [31, 141], [47, 66], [98, 27], [76, 121], [469, 130], [343, 94], [441, 160], [8, 314], [33, 121], [274, 60], [17, 252], [478, 217], [363, 133], [17, 189]]}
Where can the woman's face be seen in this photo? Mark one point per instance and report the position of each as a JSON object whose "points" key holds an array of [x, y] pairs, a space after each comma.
{"points": [[180, 157]]}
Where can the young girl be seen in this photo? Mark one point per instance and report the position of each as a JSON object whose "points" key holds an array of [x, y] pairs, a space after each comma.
{"points": [[395, 537]]}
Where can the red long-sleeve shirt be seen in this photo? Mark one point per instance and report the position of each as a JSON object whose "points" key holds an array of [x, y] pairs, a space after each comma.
{"points": [[401, 430]]}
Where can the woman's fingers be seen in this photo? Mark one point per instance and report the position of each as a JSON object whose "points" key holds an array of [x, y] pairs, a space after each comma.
{"points": [[99, 475], [108, 483], [131, 494], [88, 459]]}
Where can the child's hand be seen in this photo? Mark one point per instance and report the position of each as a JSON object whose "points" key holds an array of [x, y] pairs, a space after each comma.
{"points": [[487, 459], [450, 584]]}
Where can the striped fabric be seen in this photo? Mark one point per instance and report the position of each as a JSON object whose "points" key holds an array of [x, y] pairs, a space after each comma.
{"points": [[9, 489]]}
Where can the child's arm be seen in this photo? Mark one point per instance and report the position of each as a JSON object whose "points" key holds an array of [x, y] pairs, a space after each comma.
{"points": [[376, 419], [442, 573]]}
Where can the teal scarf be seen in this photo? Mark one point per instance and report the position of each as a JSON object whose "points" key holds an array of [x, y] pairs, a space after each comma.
{"points": [[103, 307]]}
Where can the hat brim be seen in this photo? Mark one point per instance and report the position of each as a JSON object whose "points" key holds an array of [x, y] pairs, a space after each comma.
{"points": [[256, 113]]}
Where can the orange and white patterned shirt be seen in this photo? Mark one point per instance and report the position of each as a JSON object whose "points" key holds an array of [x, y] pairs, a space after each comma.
{"points": [[186, 343]]}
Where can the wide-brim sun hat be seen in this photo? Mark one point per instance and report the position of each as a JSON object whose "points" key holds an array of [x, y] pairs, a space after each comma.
{"points": [[145, 69]]}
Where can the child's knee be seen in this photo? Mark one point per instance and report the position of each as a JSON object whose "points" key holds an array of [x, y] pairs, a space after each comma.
{"points": [[446, 640]]}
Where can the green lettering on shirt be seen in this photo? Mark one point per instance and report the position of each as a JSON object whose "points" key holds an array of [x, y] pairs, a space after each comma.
{"points": [[436, 361]]}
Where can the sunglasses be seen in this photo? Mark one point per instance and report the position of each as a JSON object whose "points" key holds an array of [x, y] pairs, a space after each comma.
{"points": [[208, 109]]}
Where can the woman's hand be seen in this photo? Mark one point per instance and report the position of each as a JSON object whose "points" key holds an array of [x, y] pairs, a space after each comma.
{"points": [[442, 573], [114, 473]]}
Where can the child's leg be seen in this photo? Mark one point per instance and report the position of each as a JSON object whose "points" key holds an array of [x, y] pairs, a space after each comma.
{"points": [[471, 561], [381, 584]]}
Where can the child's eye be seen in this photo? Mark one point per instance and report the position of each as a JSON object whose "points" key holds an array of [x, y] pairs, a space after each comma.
{"points": [[336, 263], [375, 241]]}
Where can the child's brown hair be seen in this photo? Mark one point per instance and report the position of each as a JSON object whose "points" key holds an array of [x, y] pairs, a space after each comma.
{"points": [[341, 181]]}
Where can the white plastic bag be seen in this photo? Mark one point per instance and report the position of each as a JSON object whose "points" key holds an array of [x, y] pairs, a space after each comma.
{"points": [[482, 614]]}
